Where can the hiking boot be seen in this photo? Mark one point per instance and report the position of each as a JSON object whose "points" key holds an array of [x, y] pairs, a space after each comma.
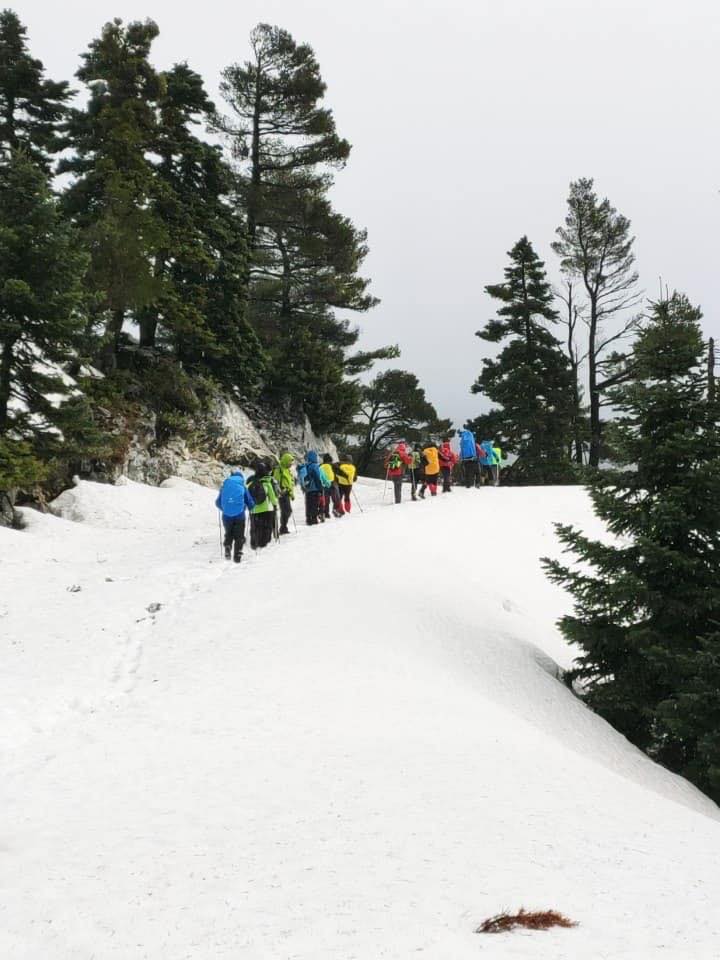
{"points": [[227, 553], [284, 530], [422, 494], [237, 558]]}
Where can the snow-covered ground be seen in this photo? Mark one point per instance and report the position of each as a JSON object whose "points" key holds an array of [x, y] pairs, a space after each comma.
{"points": [[350, 746]]}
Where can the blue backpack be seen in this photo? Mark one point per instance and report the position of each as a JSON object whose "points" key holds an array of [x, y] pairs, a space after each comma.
{"points": [[232, 496], [467, 445], [302, 475]]}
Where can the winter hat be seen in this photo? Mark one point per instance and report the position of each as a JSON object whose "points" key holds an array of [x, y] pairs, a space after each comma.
{"points": [[327, 458], [235, 472], [312, 456]]}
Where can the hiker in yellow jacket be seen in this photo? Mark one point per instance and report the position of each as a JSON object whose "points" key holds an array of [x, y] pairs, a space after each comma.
{"points": [[332, 494], [346, 474]]}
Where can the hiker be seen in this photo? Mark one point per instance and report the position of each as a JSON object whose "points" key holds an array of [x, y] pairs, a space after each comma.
{"points": [[431, 469], [262, 490], [396, 463], [418, 467], [490, 461], [346, 473], [233, 499], [448, 459], [468, 458], [333, 495], [497, 466], [312, 484], [283, 477], [415, 464]]}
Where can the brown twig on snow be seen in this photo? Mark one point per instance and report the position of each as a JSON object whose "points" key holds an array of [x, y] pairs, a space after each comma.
{"points": [[537, 920]]}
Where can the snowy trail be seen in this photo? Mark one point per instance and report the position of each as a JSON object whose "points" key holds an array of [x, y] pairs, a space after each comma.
{"points": [[352, 746]]}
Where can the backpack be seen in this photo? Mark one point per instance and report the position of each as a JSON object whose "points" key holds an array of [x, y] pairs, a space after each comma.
{"points": [[257, 491], [395, 462], [467, 445], [302, 476], [232, 496]]}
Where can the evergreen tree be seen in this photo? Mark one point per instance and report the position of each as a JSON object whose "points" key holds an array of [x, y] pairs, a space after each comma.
{"points": [[393, 407], [41, 270], [305, 257], [531, 378], [32, 107], [647, 606], [112, 197], [201, 312], [595, 246]]}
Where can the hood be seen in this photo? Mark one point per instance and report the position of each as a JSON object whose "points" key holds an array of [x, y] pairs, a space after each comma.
{"points": [[467, 433], [286, 460], [312, 456], [401, 448]]}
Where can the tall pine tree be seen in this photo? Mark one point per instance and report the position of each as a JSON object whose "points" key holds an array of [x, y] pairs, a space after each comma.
{"points": [[305, 258], [41, 295], [114, 188], [647, 606], [530, 379], [32, 107]]}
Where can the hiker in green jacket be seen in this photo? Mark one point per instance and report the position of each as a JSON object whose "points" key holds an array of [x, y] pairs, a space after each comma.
{"points": [[266, 501], [282, 475]]}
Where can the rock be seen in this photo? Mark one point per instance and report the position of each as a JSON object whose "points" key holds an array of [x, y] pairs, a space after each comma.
{"points": [[75, 588], [153, 607]]}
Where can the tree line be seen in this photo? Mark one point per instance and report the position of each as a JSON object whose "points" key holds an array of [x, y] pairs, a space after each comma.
{"points": [[565, 349], [176, 246]]}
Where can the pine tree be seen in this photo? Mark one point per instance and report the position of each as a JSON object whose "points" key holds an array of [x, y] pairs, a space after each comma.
{"points": [[112, 197], [32, 107], [201, 313], [393, 407], [595, 247], [647, 605], [530, 379], [305, 258], [41, 270]]}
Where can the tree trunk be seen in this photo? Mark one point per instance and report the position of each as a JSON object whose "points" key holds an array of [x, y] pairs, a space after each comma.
{"points": [[711, 371], [254, 194], [5, 381], [113, 330], [148, 329], [595, 438]]}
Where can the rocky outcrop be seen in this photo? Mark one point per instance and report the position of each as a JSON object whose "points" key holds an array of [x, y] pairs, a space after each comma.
{"points": [[9, 517], [225, 434]]}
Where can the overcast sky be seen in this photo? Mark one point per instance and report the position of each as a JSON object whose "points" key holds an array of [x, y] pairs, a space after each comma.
{"points": [[468, 119]]}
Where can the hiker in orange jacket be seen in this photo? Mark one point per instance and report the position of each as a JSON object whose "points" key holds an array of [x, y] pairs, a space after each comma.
{"points": [[431, 461]]}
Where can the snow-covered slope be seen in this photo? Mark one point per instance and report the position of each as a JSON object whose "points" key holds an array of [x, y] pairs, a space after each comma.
{"points": [[351, 746]]}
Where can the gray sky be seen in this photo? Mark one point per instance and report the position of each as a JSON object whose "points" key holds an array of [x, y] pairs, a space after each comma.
{"points": [[468, 119]]}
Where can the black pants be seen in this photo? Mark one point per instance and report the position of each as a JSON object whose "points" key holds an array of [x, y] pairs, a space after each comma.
{"points": [[234, 535], [429, 480], [470, 472], [261, 531], [446, 475], [312, 506], [285, 511], [397, 486]]}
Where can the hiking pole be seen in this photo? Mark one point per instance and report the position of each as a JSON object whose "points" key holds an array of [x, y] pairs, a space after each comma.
{"points": [[357, 501], [292, 514], [387, 474], [220, 531]]}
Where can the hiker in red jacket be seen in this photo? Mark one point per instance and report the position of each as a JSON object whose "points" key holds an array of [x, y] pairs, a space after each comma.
{"points": [[448, 459], [396, 463]]}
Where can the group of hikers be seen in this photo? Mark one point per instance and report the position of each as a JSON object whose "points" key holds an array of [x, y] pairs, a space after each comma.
{"points": [[327, 486], [269, 494], [426, 466]]}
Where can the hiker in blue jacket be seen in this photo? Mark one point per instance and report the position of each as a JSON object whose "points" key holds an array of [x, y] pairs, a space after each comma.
{"points": [[491, 463], [468, 458], [313, 485], [233, 499]]}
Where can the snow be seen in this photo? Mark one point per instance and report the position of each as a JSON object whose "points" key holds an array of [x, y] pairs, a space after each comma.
{"points": [[353, 745]]}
